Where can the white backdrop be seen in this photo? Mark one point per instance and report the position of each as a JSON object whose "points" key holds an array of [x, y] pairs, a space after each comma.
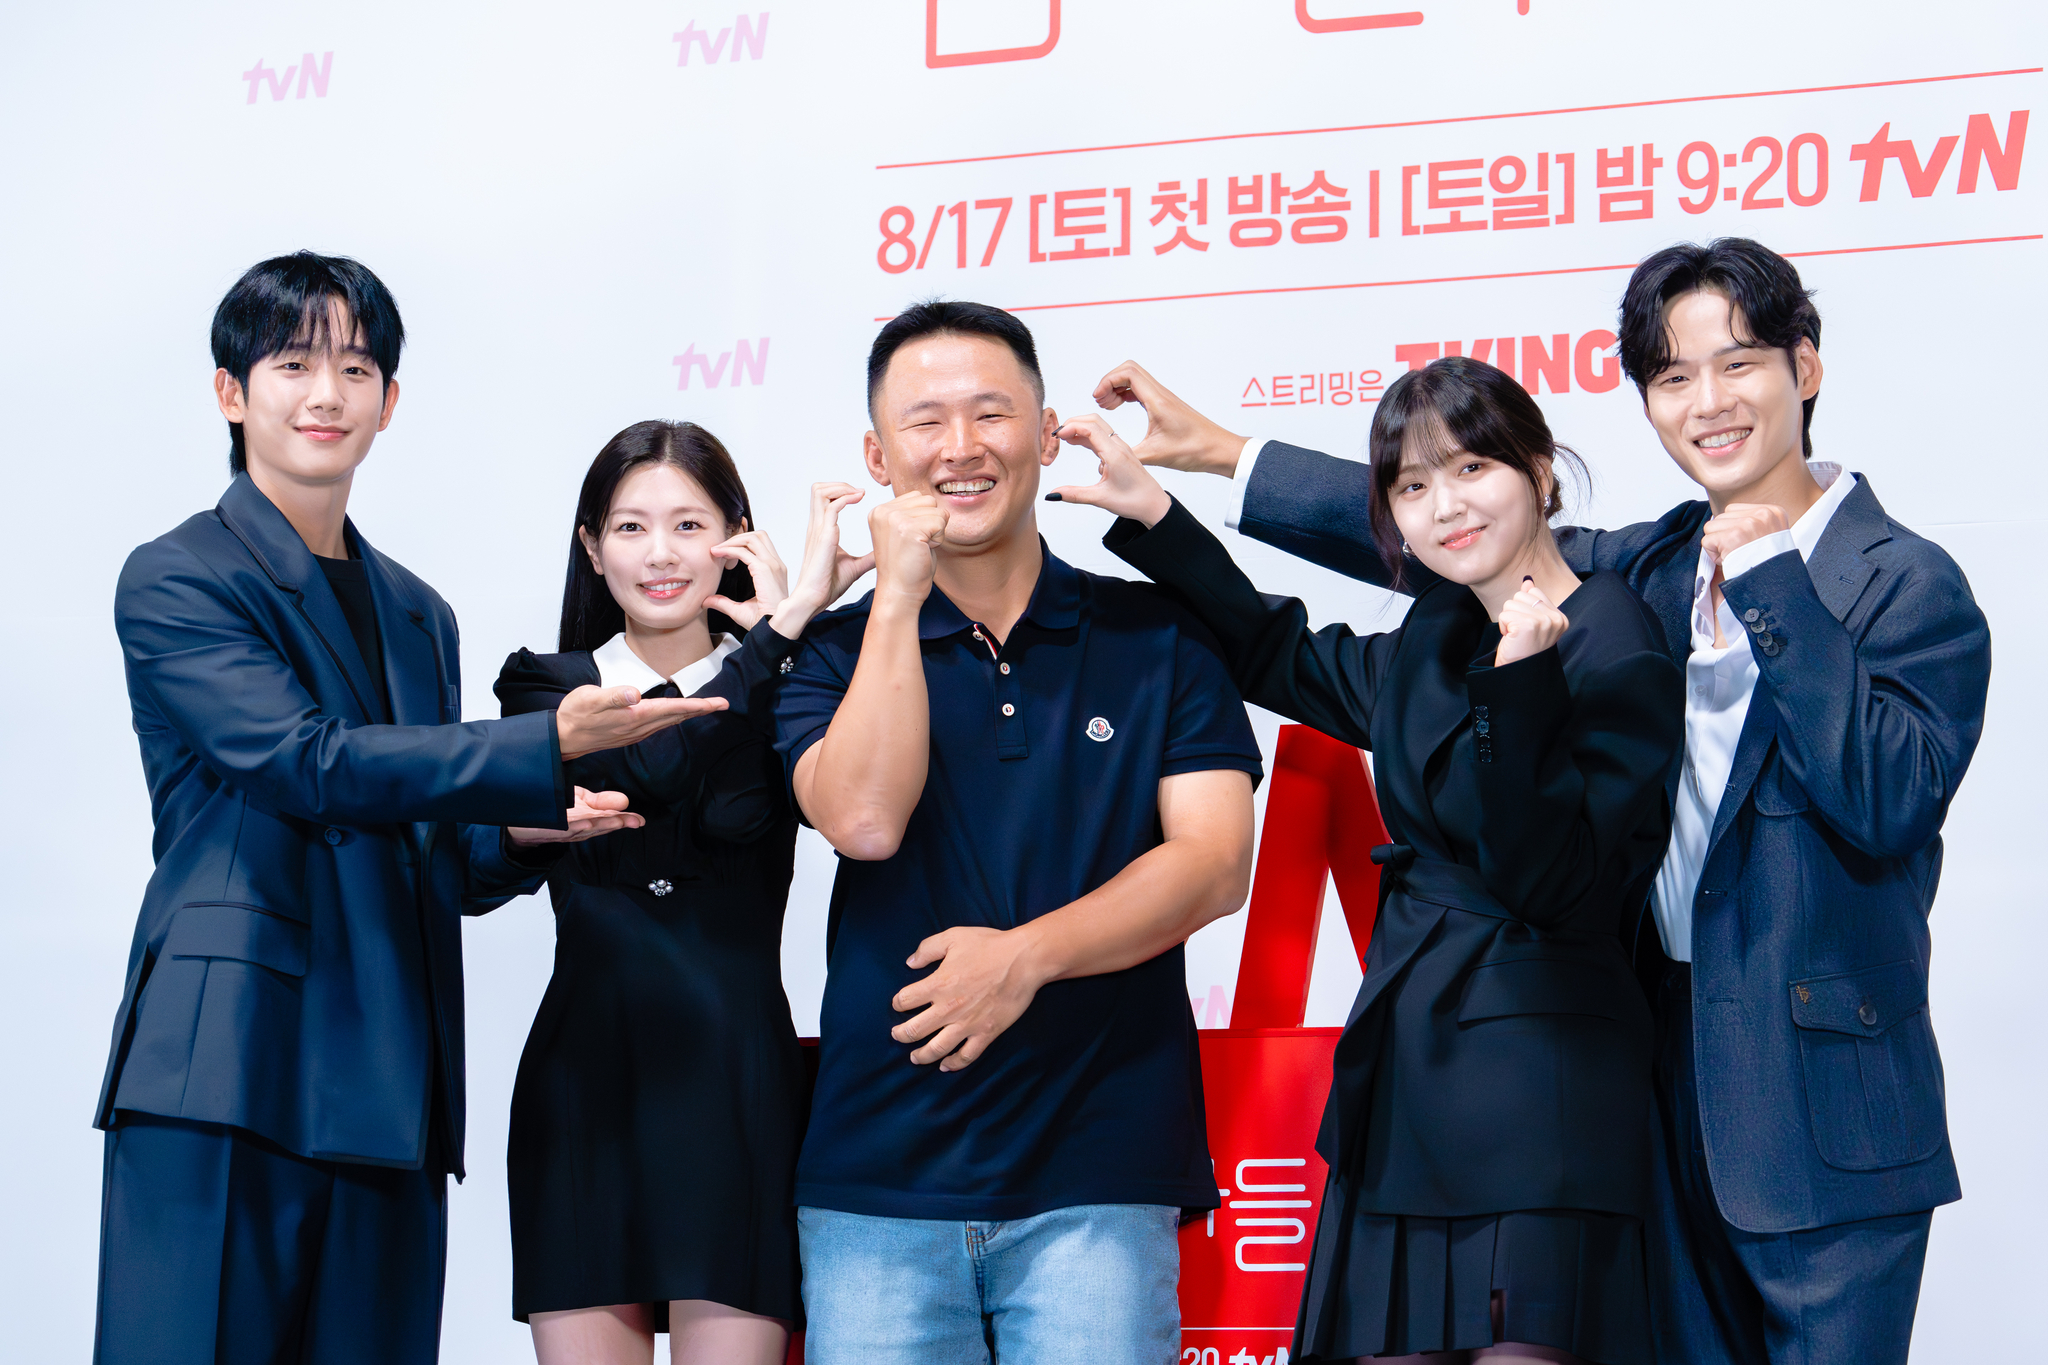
{"points": [[599, 214]]}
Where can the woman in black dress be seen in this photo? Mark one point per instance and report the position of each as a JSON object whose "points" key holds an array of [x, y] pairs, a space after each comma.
{"points": [[660, 1099], [1488, 1125]]}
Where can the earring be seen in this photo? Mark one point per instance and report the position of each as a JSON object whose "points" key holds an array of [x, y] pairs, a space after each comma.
{"points": [[1406, 551]]}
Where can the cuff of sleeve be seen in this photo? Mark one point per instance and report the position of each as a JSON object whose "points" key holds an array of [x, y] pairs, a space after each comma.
{"points": [[565, 790], [1518, 704], [1743, 558], [774, 647], [1241, 480], [1125, 532], [530, 858]]}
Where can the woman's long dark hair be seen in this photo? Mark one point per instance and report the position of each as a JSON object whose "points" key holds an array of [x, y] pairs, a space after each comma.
{"points": [[590, 614], [1462, 404]]}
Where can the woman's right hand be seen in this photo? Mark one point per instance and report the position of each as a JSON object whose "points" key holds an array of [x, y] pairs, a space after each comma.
{"points": [[1126, 488], [828, 570], [1529, 624]]}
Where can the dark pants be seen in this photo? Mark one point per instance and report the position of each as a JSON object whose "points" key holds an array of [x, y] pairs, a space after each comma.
{"points": [[217, 1248], [1837, 1295]]}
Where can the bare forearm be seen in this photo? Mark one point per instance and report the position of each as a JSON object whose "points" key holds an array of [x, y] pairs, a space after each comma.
{"points": [[1157, 901], [861, 782]]}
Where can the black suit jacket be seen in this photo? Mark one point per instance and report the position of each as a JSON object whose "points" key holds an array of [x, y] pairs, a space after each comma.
{"points": [[298, 958], [1820, 1086], [1498, 1054]]}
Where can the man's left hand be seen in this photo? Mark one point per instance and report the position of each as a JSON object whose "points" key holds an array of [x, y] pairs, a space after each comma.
{"points": [[593, 814], [984, 983], [1738, 524]]}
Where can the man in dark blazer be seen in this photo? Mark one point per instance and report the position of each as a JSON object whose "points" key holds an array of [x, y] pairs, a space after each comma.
{"points": [[283, 1102], [1836, 673]]}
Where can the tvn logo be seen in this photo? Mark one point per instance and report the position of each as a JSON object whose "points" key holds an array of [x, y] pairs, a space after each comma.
{"points": [[748, 35], [311, 77], [747, 362]]}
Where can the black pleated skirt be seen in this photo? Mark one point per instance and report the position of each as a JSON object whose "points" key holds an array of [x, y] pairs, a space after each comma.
{"points": [[1395, 1284]]}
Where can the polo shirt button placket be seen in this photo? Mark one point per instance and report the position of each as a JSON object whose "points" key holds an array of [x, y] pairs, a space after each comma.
{"points": [[1011, 739]]}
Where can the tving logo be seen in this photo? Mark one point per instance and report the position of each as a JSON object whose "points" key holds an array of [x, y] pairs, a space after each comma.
{"points": [[748, 35], [310, 77], [752, 362]]}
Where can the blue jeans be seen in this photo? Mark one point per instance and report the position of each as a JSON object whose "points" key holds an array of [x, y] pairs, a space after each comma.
{"points": [[1094, 1284]]}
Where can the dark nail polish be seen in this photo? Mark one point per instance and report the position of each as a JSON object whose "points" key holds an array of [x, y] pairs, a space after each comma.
{"points": [[1054, 497]]}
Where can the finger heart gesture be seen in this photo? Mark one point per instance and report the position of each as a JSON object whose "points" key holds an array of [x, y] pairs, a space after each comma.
{"points": [[1126, 487]]}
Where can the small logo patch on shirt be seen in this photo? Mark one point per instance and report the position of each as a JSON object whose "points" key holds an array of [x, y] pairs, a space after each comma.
{"points": [[1099, 731]]}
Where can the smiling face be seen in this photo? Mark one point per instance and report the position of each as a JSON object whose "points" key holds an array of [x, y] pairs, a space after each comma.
{"points": [[1468, 518], [1729, 413], [310, 411], [957, 416], [655, 552]]}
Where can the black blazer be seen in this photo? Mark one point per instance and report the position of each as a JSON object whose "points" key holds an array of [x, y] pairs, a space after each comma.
{"points": [[298, 958], [709, 786], [1497, 989], [1820, 1087]]}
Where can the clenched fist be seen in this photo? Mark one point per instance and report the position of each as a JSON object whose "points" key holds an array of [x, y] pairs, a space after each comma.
{"points": [[1529, 624], [907, 532]]}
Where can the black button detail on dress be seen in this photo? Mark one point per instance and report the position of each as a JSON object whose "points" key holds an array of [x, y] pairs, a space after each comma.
{"points": [[660, 886], [1484, 727]]}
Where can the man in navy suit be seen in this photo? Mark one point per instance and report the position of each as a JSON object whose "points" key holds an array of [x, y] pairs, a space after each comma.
{"points": [[283, 1103], [1836, 669]]}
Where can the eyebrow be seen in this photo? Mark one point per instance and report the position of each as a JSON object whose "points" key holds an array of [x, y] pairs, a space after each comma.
{"points": [[991, 396], [685, 509]]}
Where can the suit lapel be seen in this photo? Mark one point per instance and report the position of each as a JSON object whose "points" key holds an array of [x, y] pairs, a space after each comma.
{"points": [[1425, 698], [1839, 573], [257, 523], [1838, 568], [412, 657]]}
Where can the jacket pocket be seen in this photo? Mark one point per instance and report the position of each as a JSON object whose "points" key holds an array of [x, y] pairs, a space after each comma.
{"points": [[1873, 1078], [1547, 986], [1776, 793], [244, 933]]}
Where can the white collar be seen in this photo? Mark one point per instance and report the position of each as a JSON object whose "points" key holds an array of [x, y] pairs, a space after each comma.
{"points": [[619, 666]]}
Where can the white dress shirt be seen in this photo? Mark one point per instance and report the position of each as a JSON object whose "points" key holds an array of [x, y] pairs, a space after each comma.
{"points": [[1241, 479], [619, 666], [1718, 685]]}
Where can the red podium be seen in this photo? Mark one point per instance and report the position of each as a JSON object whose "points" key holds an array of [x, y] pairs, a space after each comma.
{"points": [[1265, 1078]]}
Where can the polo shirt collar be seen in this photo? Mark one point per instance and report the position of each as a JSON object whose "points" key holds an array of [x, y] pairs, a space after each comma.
{"points": [[1055, 601]]}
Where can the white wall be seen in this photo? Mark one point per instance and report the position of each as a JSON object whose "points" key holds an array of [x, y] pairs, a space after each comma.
{"points": [[562, 209]]}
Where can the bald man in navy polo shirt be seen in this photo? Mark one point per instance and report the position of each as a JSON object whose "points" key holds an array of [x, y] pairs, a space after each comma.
{"points": [[1040, 783]]}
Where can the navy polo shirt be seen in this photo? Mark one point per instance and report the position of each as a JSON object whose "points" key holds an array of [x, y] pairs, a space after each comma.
{"points": [[1047, 753]]}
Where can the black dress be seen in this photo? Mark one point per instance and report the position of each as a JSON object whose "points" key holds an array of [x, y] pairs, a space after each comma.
{"points": [[661, 1099], [1488, 1126]]}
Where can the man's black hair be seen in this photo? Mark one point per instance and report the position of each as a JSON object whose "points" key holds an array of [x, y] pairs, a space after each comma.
{"points": [[284, 302], [935, 317], [1769, 303]]}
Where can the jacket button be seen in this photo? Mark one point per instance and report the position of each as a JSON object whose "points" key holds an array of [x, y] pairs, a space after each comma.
{"points": [[1766, 639], [333, 835], [1867, 1012], [1751, 614]]}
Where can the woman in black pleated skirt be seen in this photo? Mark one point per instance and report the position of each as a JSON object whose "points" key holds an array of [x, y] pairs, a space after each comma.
{"points": [[1488, 1127]]}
